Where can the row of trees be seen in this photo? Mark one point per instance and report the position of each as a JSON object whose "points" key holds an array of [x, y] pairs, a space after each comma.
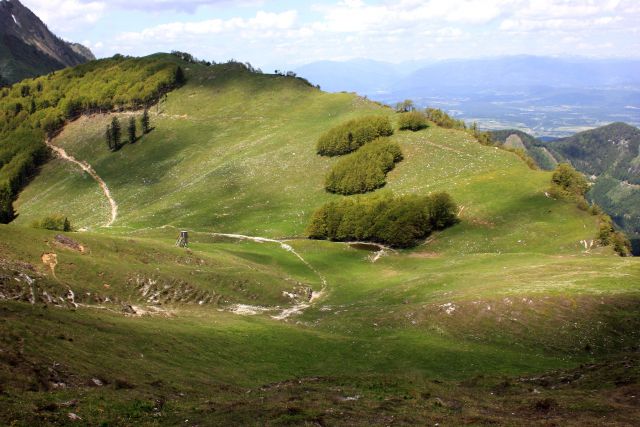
{"points": [[405, 106], [350, 136], [395, 221], [35, 109], [365, 170], [113, 133]]}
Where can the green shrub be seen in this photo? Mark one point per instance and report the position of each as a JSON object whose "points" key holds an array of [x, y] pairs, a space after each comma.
{"points": [[569, 180], [444, 120], [395, 221], [413, 120], [350, 136], [365, 170], [56, 222], [621, 244], [607, 236]]}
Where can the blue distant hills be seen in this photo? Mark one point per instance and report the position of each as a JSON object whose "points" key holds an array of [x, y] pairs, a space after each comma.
{"points": [[544, 96]]}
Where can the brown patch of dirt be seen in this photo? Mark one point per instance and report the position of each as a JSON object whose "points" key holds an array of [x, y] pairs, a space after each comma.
{"points": [[50, 260]]}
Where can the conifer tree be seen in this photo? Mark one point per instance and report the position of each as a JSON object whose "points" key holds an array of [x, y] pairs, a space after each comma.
{"points": [[146, 127], [116, 133], [179, 77], [131, 130], [108, 136]]}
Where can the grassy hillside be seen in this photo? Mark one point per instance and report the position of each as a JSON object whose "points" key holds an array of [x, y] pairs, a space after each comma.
{"points": [[504, 318], [234, 152]]}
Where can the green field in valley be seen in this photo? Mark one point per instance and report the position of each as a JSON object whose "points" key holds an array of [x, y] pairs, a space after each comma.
{"points": [[506, 317]]}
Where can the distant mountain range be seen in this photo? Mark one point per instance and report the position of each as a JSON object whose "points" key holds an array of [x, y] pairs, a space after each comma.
{"points": [[542, 96], [28, 48], [610, 155]]}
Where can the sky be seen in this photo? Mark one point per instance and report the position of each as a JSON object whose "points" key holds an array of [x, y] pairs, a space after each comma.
{"points": [[290, 33]]}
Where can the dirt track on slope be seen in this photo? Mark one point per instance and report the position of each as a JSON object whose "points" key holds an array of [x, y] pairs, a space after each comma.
{"points": [[60, 152]]}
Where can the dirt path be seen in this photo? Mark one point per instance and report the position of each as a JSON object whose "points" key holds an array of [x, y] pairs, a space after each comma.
{"points": [[442, 147], [295, 309], [60, 152]]}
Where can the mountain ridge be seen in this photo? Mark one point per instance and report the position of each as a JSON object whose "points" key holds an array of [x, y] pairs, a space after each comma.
{"points": [[28, 48]]}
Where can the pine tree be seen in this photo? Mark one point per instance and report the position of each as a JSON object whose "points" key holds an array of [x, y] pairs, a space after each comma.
{"points": [[108, 136], [116, 133], [145, 121], [131, 129], [179, 76]]}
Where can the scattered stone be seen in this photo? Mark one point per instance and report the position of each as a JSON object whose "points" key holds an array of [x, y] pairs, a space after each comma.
{"points": [[97, 382], [73, 417], [68, 404], [438, 402], [69, 243], [128, 309]]}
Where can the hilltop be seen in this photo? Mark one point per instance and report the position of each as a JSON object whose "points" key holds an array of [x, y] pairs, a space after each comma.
{"points": [[608, 154], [29, 49], [514, 315]]}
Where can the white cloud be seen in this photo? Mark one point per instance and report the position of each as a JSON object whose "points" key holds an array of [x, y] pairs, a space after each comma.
{"points": [[392, 30], [67, 14], [262, 22]]}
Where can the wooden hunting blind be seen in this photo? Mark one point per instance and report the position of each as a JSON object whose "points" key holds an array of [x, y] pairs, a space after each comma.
{"points": [[183, 240]]}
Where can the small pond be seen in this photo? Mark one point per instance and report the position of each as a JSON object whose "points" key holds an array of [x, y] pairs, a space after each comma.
{"points": [[371, 247]]}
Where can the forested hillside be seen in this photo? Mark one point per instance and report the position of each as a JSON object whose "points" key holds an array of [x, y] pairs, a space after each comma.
{"points": [[36, 109]]}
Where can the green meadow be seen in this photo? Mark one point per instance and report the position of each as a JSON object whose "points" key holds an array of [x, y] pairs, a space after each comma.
{"points": [[504, 318]]}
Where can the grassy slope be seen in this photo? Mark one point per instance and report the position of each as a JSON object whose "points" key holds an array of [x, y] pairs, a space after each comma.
{"points": [[235, 153]]}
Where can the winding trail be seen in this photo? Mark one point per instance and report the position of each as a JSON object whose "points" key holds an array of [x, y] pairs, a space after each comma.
{"points": [[88, 169], [295, 309]]}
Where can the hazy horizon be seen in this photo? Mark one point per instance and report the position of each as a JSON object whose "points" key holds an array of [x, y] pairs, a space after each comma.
{"points": [[288, 34]]}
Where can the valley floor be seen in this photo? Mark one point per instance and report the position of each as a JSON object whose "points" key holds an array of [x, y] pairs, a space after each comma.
{"points": [[479, 339]]}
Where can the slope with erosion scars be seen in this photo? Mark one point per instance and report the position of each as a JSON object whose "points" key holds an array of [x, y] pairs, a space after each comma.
{"points": [[88, 169], [295, 309]]}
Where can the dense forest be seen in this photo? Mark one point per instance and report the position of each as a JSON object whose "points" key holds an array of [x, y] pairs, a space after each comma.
{"points": [[350, 136], [35, 109], [396, 221]]}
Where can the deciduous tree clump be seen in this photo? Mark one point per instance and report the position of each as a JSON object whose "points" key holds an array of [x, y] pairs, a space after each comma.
{"points": [[38, 108], [350, 136], [365, 170], [395, 221], [413, 120], [569, 182], [56, 222]]}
